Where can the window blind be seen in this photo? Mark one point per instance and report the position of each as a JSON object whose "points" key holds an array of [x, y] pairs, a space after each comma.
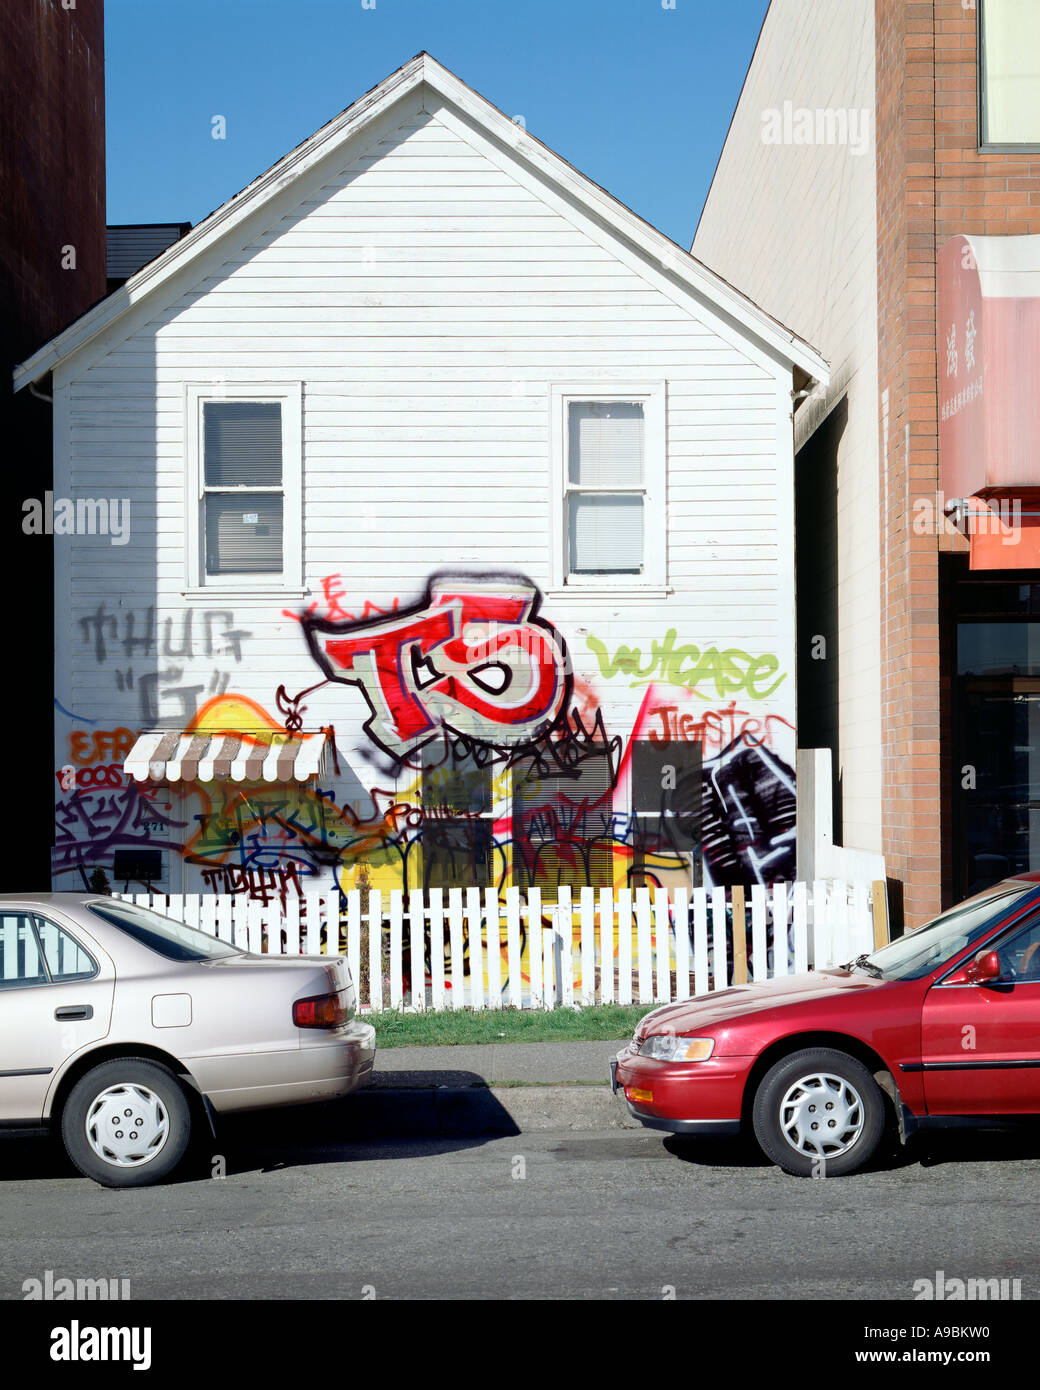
{"points": [[243, 533], [605, 533], [605, 448], [243, 443]]}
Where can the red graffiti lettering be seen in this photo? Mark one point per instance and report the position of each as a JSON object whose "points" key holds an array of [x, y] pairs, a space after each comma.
{"points": [[473, 659]]}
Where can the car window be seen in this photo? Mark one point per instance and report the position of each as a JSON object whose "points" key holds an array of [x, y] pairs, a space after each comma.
{"points": [[21, 962], [64, 956], [923, 950], [1019, 953], [171, 939]]}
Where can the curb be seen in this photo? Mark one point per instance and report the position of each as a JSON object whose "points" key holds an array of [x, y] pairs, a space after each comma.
{"points": [[473, 1111]]}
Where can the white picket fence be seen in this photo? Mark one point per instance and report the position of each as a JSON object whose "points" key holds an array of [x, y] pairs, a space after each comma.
{"points": [[599, 946]]}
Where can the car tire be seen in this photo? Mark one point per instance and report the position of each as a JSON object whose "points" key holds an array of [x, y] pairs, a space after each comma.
{"points": [[152, 1141], [819, 1113]]}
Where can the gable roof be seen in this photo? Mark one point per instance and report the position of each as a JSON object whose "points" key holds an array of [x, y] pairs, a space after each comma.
{"points": [[664, 253]]}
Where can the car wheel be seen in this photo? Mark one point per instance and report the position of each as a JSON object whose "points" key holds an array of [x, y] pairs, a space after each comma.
{"points": [[126, 1123], [819, 1113]]}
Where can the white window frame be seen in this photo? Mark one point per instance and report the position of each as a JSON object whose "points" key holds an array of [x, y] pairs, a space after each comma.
{"points": [[289, 582], [651, 396]]}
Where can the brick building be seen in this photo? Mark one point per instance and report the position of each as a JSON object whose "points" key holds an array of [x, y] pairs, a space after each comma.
{"points": [[924, 685], [52, 269]]}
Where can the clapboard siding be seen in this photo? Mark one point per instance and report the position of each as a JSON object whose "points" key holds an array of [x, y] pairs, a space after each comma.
{"points": [[427, 299]]}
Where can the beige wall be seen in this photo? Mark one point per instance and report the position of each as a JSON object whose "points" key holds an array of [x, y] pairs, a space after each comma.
{"points": [[794, 227]]}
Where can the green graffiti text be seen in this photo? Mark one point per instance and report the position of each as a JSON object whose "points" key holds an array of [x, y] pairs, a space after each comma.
{"points": [[731, 670]]}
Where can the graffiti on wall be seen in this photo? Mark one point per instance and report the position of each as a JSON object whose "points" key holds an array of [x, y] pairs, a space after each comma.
{"points": [[689, 666], [136, 647], [470, 658], [493, 763]]}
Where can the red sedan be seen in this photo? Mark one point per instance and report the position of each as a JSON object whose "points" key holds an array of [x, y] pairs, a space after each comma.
{"points": [[944, 1021]]}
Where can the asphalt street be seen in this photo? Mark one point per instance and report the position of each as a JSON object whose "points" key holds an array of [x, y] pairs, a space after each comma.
{"points": [[307, 1210]]}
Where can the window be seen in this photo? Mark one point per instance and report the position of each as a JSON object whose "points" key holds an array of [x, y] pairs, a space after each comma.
{"points": [[923, 950], [1009, 73], [457, 843], [21, 962], [667, 794], [1019, 954], [64, 957], [610, 471], [244, 455], [34, 951], [174, 940], [563, 822]]}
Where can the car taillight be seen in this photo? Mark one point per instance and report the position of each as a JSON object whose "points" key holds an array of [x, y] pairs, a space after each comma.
{"points": [[320, 1011]]}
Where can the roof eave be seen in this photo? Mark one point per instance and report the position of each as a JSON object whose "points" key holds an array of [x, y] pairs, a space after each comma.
{"points": [[669, 256]]}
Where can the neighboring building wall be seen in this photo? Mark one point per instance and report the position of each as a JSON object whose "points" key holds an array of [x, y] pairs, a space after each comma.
{"points": [[933, 183], [792, 225], [427, 298], [52, 177]]}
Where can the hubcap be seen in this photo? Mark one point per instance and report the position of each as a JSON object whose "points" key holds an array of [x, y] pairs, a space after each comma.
{"points": [[821, 1114], [127, 1125]]}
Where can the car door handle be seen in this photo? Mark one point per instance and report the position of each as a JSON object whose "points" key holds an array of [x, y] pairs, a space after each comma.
{"points": [[75, 1011]]}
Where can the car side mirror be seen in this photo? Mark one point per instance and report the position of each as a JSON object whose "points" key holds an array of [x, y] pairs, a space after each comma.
{"points": [[984, 969]]}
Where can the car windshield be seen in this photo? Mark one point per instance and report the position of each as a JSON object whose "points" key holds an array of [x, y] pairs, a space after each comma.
{"points": [[171, 939], [920, 952]]}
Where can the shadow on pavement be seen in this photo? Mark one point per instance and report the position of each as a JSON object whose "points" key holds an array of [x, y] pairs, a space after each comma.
{"points": [[930, 1150], [370, 1124]]}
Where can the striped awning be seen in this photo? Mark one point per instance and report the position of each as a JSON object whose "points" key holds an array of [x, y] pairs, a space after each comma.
{"points": [[170, 755]]}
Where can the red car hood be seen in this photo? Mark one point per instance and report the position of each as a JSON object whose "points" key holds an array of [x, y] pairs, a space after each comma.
{"points": [[741, 1000]]}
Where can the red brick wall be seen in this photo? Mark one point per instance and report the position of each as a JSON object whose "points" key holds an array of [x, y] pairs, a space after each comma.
{"points": [[933, 183], [52, 166], [52, 194]]}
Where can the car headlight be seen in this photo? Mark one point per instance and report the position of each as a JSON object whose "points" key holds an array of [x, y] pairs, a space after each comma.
{"points": [[666, 1047]]}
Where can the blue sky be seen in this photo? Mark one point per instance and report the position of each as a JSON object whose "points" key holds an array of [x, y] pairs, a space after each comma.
{"points": [[636, 96]]}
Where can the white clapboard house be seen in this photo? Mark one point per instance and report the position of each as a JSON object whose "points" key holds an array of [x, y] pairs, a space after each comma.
{"points": [[423, 517]]}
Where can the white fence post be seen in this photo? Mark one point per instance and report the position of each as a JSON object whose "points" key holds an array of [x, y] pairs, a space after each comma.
{"points": [[625, 946], [800, 924], [682, 943], [437, 948], [701, 970], [458, 987], [476, 954], [587, 929], [396, 949], [493, 919], [535, 946], [793, 927], [606, 951], [417, 948], [375, 948], [662, 946], [719, 953], [644, 944], [515, 974], [780, 966], [759, 938]]}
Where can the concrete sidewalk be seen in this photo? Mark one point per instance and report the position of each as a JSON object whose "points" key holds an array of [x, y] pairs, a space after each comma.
{"points": [[495, 1064], [501, 1088]]}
